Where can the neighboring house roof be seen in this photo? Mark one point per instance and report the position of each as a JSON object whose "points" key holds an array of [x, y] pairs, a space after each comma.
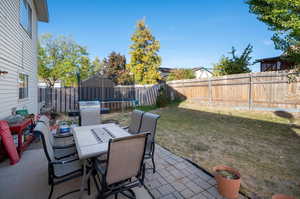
{"points": [[42, 10], [165, 70], [201, 68]]}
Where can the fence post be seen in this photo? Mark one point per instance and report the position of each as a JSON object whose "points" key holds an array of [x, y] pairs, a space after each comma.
{"points": [[250, 92], [209, 91]]}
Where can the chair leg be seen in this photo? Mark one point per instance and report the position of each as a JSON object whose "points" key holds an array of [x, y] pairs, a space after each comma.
{"points": [[131, 194], [89, 186], [152, 159], [143, 174], [96, 183], [51, 191], [116, 196]]}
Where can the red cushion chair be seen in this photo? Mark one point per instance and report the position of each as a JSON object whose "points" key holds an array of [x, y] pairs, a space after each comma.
{"points": [[8, 142]]}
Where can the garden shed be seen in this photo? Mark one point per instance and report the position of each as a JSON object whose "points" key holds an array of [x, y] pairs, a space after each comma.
{"points": [[97, 81]]}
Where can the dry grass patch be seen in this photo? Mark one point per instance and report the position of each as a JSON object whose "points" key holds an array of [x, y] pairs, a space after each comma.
{"points": [[263, 146]]}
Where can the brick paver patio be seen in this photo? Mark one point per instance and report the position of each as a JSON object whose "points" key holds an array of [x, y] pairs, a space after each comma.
{"points": [[177, 178]]}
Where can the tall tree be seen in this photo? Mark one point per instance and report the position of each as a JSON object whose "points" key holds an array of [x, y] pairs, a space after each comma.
{"points": [[114, 65], [145, 60], [97, 65], [235, 64], [59, 58], [282, 17]]}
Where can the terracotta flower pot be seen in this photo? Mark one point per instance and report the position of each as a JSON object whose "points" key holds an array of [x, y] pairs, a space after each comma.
{"points": [[228, 188], [282, 196]]}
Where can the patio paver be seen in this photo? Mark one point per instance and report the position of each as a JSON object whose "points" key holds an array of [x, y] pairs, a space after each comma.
{"points": [[177, 178]]}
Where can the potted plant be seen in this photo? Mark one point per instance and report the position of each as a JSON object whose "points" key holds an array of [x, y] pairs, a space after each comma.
{"points": [[282, 196], [228, 181]]}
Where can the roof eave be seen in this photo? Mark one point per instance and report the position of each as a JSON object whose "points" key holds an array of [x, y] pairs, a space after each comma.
{"points": [[42, 10], [269, 59]]}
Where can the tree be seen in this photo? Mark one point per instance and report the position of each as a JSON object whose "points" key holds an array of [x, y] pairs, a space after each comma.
{"points": [[125, 78], [114, 66], [59, 58], [97, 66], [282, 17], [145, 60], [178, 74], [234, 65], [86, 68]]}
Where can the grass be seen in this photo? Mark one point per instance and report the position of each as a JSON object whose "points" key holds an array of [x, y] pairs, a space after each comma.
{"points": [[263, 146], [147, 108]]}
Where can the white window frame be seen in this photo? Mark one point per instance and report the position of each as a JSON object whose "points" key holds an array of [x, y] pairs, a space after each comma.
{"points": [[26, 20], [23, 94]]}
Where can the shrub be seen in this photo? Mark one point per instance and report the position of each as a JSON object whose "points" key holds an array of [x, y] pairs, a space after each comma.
{"points": [[179, 74], [162, 99]]}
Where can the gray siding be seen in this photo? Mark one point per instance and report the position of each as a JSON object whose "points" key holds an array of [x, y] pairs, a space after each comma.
{"points": [[18, 54]]}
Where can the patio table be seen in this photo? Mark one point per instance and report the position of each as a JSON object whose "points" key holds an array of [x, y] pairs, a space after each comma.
{"points": [[88, 145]]}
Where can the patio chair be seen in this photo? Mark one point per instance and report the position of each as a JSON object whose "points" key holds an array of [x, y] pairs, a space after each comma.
{"points": [[124, 168], [89, 117], [57, 138], [59, 171], [61, 151], [89, 113], [135, 122], [149, 123]]}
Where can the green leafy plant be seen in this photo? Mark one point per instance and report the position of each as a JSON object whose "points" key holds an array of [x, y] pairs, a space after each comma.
{"points": [[228, 174], [234, 65]]}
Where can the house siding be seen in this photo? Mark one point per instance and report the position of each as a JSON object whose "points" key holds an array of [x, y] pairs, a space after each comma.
{"points": [[18, 54]]}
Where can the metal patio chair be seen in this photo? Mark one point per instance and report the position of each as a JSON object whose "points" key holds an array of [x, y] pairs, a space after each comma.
{"points": [[57, 137], [61, 151], [90, 117], [135, 122], [124, 168], [149, 123], [89, 113], [59, 171]]}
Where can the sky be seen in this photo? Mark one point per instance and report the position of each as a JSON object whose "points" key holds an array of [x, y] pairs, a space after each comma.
{"points": [[192, 33]]}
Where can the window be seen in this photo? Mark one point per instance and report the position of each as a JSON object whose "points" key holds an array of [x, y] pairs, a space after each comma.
{"points": [[26, 16], [23, 86]]}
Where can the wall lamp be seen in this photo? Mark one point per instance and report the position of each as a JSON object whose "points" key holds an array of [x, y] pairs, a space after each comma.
{"points": [[3, 72]]}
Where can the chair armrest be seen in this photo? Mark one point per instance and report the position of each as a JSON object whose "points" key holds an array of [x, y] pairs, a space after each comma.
{"points": [[125, 127], [63, 136], [146, 132], [64, 146], [63, 161]]}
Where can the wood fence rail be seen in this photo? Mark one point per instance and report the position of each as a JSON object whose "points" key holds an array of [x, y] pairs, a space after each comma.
{"points": [[261, 91], [116, 98]]}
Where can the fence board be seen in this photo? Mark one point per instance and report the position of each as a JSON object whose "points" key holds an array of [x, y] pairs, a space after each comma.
{"points": [[252, 91], [66, 99]]}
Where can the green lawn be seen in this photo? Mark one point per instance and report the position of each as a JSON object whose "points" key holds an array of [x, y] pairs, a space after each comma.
{"points": [[264, 147]]}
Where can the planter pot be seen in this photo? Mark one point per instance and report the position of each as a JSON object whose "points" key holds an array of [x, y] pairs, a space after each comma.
{"points": [[228, 188], [282, 196]]}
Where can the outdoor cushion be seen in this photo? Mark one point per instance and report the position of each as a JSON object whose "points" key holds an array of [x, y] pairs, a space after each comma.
{"points": [[8, 142]]}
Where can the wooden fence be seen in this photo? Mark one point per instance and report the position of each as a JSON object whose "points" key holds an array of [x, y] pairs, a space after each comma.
{"points": [[116, 98], [261, 91]]}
